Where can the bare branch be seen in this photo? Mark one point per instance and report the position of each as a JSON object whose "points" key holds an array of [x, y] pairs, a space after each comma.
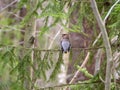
{"points": [[98, 61], [106, 43], [110, 10], [55, 37], [15, 15], [97, 39], [8, 5], [10, 28], [83, 65]]}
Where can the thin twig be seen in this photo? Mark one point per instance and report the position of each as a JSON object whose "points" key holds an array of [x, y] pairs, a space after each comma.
{"points": [[55, 38], [110, 10], [97, 39], [83, 65], [8, 5], [101, 79], [15, 15], [14, 46], [10, 28], [63, 85]]}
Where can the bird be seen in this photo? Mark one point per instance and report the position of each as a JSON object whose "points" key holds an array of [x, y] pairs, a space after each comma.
{"points": [[65, 43]]}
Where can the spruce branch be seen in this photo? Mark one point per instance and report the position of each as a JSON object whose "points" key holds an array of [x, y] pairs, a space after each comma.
{"points": [[66, 85], [84, 70]]}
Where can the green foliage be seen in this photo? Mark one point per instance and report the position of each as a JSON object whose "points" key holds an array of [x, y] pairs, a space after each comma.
{"points": [[81, 87], [91, 84], [17, 66], [54, 9], [14, 68], [113, 25], [114, 21], [57, 67], [5, 21], [83, 70], [3, 85]]}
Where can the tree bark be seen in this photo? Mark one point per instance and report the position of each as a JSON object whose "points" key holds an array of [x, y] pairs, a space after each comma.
{"points": [[106, 43]]}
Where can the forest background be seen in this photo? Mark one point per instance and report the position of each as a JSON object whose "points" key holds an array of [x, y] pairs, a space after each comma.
{"points": [[30, 35]]}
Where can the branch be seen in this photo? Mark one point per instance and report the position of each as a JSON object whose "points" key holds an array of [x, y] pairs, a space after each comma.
{"points": [[9, 28], [63, 85], [110, 10], [106, 43], [21, 47], [97, 39], [55, 38], [98, 61], [8, 5], [83, 65], [15, 15]]}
